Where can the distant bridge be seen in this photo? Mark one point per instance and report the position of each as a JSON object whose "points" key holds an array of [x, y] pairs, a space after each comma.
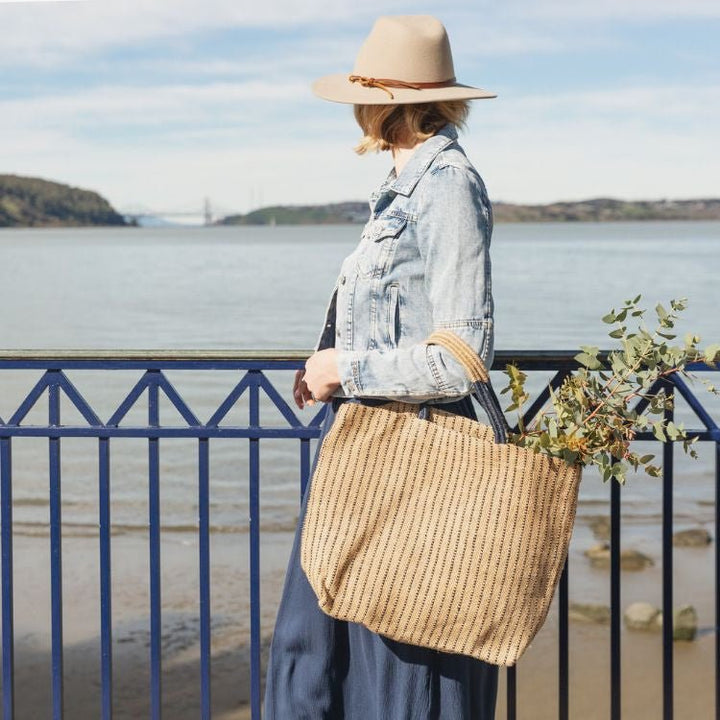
{"points": [[207, 214]]}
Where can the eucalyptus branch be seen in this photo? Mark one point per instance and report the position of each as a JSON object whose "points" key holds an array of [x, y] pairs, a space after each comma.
{"points": [[591, 422]]}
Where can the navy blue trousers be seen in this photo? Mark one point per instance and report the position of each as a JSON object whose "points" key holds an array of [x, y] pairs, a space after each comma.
{"points": [[326, 669]]}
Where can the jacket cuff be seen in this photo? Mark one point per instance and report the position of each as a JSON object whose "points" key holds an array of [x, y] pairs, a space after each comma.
{"points": [[348, 366]]}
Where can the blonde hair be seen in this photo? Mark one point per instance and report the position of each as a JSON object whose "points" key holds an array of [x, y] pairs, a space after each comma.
{"points": [[384, 126]]}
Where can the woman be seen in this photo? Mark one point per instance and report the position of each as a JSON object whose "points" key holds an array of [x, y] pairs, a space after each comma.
{"points": [[422, 264]]}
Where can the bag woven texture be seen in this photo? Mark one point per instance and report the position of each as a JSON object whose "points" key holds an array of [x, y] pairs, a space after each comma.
{"points": [[429, 528]]}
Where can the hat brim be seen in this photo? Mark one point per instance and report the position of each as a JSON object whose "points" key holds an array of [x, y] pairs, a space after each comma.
{"points": [[337, 88]]}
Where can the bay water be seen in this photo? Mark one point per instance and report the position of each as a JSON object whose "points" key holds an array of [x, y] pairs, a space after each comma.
{"points": [[266, 288]]}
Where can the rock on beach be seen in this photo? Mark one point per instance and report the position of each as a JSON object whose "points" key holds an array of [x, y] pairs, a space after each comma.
{"points": [[600, 526], [694, 537], [685, 623], [599, 556], [641, 616], [589, 612], [645, 616]]}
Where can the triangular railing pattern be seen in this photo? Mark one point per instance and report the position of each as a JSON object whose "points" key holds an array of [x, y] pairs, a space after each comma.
{"points": [[155, 381], [54, 379]]}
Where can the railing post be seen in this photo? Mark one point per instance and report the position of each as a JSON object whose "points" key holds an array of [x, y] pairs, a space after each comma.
{"points": [[204, 552], [511, 691], [105, 578], [667, 562], [615, 609], [56, 548], [8, 620], [154, 516], [254, 550], [717, 579], [563, 645]]}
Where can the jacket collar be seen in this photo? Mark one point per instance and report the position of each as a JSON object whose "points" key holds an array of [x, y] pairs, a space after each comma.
{"points": [[421, 160]]}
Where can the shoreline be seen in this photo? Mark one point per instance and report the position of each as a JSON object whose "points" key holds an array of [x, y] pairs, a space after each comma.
{"points": [[545, 221]]}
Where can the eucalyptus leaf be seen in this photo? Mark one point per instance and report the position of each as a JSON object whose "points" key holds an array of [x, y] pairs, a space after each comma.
{"points": [[589, 361], [712, 353]]}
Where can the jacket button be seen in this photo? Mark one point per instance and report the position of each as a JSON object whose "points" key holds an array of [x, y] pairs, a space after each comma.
{"points": [[342, 279]]}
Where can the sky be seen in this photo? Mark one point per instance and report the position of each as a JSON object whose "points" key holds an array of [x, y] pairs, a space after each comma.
{"points": [[158, 104]]}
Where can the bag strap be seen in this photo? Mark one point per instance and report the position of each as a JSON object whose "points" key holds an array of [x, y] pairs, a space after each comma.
{"points": [[478, 374]]}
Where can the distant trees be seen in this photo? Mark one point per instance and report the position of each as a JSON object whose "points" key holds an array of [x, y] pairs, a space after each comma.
{"points": [[34, 202]]}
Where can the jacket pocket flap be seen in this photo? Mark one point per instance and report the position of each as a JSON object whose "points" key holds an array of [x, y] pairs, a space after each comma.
{"points": [[389, 226]]}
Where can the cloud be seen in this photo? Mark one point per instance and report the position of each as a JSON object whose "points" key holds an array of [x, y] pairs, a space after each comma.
{"points": [[632, 142], [642, 10], [114, 105], [44, 34], [697, 105]]}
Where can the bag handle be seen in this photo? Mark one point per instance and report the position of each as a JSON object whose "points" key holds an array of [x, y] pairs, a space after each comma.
{"points": [[478, 374]]}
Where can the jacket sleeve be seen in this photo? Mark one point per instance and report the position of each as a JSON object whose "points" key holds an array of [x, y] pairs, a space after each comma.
{"points": [[454, 230]]}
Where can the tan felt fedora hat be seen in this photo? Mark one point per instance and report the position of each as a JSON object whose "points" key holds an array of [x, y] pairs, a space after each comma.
{"points": [[404, 59]]}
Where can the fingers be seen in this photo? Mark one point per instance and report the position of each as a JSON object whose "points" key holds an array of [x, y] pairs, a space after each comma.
{"points": [[298, 394], [301, 392]]}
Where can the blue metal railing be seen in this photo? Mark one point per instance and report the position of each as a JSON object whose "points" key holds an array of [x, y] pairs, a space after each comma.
{"points": [[154, 383]]}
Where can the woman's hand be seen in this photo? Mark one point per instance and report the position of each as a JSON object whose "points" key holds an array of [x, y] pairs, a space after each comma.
{"points": [[320, 377], [300, 389]]}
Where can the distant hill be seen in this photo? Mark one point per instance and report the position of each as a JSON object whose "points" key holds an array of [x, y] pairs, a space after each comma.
{"points": [[346, 212], [607, 209], [596, 210], [34, 202]]}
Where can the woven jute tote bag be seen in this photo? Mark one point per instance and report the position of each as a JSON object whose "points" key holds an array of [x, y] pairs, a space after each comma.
{"points": [[429, 528]]}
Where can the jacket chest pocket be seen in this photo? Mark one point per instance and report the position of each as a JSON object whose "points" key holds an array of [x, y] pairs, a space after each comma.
{"points": [[378, 244]]}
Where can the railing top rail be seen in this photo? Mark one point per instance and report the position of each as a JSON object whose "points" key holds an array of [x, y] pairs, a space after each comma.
{"points": [[170, 355], [245, 358]]}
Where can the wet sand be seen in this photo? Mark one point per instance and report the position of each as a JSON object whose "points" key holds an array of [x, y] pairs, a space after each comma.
{"points": [[131, 623], [536, 672]]}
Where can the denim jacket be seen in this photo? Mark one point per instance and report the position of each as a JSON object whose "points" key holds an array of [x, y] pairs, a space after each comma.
{"points": [[422, 263]]}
